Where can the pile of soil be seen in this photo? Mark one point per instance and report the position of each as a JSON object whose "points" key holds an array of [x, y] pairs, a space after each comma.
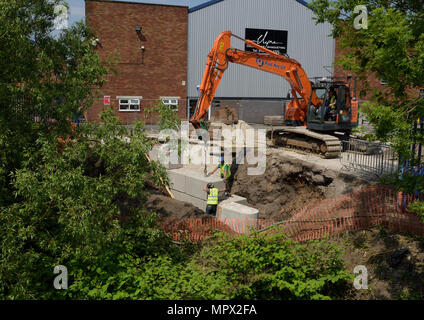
{"points": [[375, 249], [288, 185]]}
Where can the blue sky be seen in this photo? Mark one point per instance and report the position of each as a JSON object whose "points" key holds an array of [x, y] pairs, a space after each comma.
{"points": [[77, 7]]}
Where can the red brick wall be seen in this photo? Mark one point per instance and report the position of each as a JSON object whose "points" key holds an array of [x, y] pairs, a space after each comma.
{"points": [[164, 66]]}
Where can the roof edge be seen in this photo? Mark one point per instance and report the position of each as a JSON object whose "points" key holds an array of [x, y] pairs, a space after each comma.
{"points": [[209, 3], [203, 5], [303, 3], [132, 2]]}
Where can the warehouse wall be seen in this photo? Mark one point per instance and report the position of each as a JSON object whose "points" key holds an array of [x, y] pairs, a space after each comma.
{"points": [[307, 43], [252, 110]]}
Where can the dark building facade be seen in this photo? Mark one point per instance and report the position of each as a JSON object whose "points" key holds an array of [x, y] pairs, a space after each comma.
{"points": [[152, 44]]}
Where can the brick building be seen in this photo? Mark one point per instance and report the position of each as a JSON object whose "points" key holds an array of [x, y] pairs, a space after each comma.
{"points": [[152, 43]]}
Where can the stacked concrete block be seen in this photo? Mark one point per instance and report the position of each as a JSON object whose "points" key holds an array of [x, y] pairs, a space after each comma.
{"points": [[177, 180], [234, 198], [187, 185], [170, 166], [154, 153], [162, 156], [239, 217], [199, 203], [192, 182]]}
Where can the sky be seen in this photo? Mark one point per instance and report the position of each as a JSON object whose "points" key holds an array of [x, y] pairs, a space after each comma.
{"points": [[77, 7]]}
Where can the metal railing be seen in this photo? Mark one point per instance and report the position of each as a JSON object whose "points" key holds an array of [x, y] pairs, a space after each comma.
{"points": [[367, 157]]}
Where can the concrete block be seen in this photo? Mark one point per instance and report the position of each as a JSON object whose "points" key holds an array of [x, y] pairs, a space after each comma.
{"points": [[193, 182], [172, 166], [238, 217], [153, 154], [177, 180], [181, 196], [165, 157], [201, 203], [237, 210], [195, 186], [234, 198]]}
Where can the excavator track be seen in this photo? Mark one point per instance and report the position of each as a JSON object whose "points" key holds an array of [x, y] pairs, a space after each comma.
{"points": [[300, 138]]}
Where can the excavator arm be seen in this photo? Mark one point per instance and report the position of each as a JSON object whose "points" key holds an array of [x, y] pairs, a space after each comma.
{"points": [[268, 61]]}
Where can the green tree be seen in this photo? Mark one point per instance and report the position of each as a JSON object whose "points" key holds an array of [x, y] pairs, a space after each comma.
{"points": [[392, 45], [168, 117], [44, 73], [392, 48], [262, 267], [80, 205]]}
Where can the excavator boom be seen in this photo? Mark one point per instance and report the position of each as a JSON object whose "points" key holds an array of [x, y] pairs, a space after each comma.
{"points": [[301, 132], [268, 61]]}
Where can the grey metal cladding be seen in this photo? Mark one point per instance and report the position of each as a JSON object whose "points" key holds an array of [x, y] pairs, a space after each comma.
{"points": [[308, 43]]}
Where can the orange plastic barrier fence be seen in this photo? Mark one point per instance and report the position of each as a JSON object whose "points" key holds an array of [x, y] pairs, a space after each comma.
{"points": [[369, 207]]}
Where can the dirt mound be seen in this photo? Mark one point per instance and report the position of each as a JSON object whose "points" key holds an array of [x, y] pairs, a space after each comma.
{"points": [[288, 185], [172, 209], [374, 248]]}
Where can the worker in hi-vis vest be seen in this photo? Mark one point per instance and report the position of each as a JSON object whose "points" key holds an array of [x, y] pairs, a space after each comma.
{"points": [[212, 202], [225, 173]]}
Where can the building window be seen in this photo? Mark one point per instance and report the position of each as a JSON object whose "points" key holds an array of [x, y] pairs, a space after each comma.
{"points": [[129, 104], [172, 102]]}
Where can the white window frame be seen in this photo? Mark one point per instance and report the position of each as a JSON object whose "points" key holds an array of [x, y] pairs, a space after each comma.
{"points": [[171, 102], [130, 100]]}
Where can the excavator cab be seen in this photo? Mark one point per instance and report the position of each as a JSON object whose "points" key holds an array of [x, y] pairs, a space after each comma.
{"points": [[334, 114]]}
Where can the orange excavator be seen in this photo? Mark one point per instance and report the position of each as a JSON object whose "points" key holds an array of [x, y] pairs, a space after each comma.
{"points": [[310, 122]]}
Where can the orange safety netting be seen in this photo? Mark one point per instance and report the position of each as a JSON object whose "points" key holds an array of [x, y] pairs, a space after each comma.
{"points": [[369, 207]]}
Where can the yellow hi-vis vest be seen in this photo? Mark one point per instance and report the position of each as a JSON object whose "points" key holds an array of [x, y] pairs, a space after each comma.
{"points": [[222, 169], [213, 196]]}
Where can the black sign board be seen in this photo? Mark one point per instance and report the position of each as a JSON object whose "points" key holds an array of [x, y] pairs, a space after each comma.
{"points": [[275, 40]]}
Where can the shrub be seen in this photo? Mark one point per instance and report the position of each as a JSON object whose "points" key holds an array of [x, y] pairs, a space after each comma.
{"points": [[78, 205]]}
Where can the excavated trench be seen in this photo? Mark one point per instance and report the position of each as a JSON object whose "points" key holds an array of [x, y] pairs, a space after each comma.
{"points": [[289, 184]]}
